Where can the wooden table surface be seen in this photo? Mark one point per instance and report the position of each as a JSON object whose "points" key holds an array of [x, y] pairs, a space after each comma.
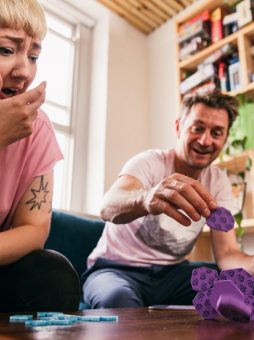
{"points": [[134, 324]]}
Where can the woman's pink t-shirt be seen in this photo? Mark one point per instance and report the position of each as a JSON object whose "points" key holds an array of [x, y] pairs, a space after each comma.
{"points": [[22, 161]]}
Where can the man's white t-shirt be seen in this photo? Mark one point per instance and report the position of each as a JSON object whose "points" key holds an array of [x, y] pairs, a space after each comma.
{"points": [[158, 239]]}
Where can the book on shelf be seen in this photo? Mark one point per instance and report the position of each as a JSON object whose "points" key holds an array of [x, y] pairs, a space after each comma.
{"points": [[215, 56], [223, 76], [216, 25], [191, 47], [230, 23], [199, 25], [206, 87], [245, 10], [202, 74], [234, 75]]}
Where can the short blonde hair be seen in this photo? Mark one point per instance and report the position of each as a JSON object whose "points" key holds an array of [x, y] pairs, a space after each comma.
{"points": [[23, 14]]}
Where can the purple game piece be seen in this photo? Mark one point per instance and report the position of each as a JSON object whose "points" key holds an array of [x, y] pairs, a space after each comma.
{"points": [[229, 296], [203, 278], [203, 305], [225, 287], [241, 278], [249, 300], [220, 219], [233, 308]]}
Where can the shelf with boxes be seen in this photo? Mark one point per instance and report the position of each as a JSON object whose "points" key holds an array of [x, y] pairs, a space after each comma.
{"points": [[216, 51], [216, 48]]}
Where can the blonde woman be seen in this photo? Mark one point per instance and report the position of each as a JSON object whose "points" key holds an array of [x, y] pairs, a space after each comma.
{"points": [[30, 278]]}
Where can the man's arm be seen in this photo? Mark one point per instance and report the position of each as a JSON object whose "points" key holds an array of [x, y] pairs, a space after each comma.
{"points": [[227, 253], [18, 113], [31, 222], [128, 200]]}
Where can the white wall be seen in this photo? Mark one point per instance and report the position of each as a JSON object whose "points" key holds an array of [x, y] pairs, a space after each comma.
{"points": [[128, 98], [162, 86], [119, 119]]}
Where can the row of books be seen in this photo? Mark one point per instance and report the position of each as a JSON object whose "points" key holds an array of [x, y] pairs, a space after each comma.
{"points": [[210, 27], [223, 74], [217, 65]]}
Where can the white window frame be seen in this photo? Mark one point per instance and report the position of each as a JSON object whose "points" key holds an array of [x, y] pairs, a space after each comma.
{"points": [[74, 189]]}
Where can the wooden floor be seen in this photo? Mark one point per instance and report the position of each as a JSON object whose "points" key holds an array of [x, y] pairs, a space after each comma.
{"points": [[134, 324]]}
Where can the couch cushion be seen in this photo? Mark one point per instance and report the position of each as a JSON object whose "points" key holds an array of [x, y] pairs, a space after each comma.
{"points": [[74, 237]]}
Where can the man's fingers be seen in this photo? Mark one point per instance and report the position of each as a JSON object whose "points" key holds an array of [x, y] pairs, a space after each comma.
{"points": [[205, 194], [192, 191], [180, 201], [175, 214], [185, 197]]}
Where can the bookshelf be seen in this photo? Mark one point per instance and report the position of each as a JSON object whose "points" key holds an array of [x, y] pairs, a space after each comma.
{"points": [[241, 43]]}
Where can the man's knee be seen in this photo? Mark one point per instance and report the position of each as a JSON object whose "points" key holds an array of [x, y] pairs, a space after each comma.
{"points": [[105, 291], [117, 298]]}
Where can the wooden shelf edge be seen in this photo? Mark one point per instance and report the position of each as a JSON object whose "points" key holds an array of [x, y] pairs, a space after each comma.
{"points": [[237, 163], [242, 90]]}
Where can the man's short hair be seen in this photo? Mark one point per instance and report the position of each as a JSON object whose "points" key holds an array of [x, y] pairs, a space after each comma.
{"points": [[215, 100]]}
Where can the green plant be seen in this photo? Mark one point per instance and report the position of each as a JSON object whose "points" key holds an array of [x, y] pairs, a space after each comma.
{"points": [[239, 215], [239, 231], [241, 138], [235, 147]]}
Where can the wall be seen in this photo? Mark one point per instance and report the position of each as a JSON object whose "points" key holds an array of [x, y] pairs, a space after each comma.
{"points": [[162, 89], [128, 99], [119, 120]]}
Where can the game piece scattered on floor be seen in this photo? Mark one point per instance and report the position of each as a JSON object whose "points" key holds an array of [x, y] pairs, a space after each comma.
{"points": [[59, 319], [228, 295], [20, 318], [220, 219], [36, 323]]}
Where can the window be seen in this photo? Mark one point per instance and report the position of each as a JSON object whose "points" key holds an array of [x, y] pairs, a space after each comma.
{"points": [[64, 65]]}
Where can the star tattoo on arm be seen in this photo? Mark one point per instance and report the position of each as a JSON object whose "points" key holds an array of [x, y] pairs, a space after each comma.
{"points": [[39, 196]]}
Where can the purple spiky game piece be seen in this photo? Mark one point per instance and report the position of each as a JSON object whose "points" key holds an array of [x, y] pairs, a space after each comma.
{"points": [[203, 278], [203, 305], [240, 277], [220, 219]]}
